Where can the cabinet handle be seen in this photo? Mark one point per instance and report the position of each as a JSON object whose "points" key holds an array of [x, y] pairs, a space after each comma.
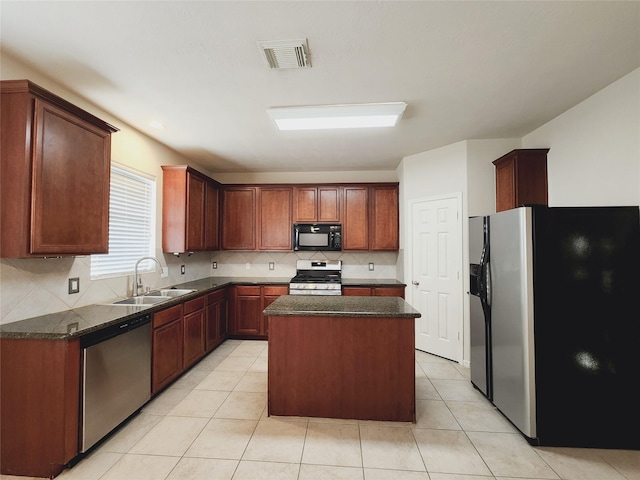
{"points": [[416, 283]]}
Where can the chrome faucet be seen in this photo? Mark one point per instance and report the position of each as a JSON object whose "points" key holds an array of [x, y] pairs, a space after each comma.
{"points": [[138, 280]]}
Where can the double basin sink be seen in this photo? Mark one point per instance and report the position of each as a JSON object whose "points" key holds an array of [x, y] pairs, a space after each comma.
{"points": [[151, 298]]}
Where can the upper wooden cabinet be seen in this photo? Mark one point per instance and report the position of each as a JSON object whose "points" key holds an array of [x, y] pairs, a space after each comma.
{"points": [[521, 178], [274, 218], [316, 204], [55, 160], [370, 219], [189, 210], [239, 218]]}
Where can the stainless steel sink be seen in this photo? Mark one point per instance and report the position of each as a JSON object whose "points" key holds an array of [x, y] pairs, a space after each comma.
{"points": [[142, 300], [175, 292]]}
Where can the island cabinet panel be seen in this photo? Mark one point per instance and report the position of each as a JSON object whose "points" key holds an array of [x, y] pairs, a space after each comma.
{"points": [[521, 178], [239, 218], [340, 367], [168, 346], [355, 218], [40, 396], [193, 330], [385, 225], [189, 210], [270, 293], [55, 160], [316, 204], [274, 218], [215, 319]]}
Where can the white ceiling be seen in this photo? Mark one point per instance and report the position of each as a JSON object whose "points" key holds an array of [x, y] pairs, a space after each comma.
{"points": [[467, 70]]}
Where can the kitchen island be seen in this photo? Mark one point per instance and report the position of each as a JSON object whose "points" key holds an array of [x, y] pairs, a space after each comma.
{"points": [[342, 357]]}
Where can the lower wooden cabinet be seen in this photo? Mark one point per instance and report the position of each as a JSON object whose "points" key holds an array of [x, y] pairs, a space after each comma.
{"points": [[193, 330], [374, 291], [40, 395], [167, 350], [247, 304], [215, 329]]}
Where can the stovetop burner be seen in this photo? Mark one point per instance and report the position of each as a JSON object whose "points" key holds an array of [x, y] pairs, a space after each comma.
{"points": [[317, 278]]}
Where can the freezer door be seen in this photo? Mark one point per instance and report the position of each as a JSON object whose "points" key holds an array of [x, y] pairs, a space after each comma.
{"points": [[478, 326], [511, 274]]}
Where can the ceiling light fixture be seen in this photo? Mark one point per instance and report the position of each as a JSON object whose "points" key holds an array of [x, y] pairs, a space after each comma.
{"points": [[319, 117]]}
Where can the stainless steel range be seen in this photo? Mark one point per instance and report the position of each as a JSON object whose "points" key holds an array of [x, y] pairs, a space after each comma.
{"points": [[317, 278]]}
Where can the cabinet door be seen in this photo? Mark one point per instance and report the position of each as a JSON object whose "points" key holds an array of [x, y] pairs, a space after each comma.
{"points": [[215, 329], [193, 337], [247, 312], [195, 212], [305, 204], [270, 293], [328, 204], [167, 354], [389, 291], [356, 291], [275, 218], [355, 225], [211, 237], [505, 186], [384, 218], [239, 218], [521, 178], [71, 171]]}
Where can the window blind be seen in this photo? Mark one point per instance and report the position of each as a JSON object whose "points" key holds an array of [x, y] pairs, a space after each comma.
{"points": [[131, 225]]}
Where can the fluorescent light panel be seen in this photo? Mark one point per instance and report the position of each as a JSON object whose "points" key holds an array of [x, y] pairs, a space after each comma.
{"points": [[365, 115]]}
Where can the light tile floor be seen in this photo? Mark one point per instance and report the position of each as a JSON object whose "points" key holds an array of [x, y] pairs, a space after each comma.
{"points": [[212, 424]]}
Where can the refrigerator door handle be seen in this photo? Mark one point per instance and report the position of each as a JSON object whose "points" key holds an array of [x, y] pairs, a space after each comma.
{"points": [[487, 283]]}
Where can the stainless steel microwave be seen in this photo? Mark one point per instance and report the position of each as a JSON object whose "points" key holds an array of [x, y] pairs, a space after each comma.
{"points": [[317, 236]]}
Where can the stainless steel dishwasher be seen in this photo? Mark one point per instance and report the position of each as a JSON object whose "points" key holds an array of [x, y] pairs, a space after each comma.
{"points": [[116, 376]]}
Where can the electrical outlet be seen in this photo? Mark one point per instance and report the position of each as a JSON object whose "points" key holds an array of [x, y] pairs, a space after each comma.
{"points": [[214, 265], [181, 269], [247, 266], [371, 266], [74, 285], [272, 265]]}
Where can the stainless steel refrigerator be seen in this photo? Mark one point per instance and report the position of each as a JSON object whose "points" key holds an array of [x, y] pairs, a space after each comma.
{"points": [[555, 322]]}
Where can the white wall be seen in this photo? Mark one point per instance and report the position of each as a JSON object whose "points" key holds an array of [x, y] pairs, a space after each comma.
{"points": [[594, 156]]}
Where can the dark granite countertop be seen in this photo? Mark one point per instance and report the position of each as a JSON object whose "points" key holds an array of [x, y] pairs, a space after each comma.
{"points": [[80, 321], [338, 306]]}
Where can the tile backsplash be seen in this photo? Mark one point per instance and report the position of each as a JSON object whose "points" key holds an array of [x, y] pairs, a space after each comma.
{"points": [[33, 287]]}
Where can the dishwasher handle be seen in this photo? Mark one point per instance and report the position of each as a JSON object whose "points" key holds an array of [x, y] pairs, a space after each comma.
{"points": [[111, 331]]}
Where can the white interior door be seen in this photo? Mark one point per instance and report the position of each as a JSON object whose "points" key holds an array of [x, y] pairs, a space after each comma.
{"points": [[436, 283]]}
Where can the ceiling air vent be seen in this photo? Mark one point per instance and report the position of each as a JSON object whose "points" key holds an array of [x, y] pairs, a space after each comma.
{"points": [[285, 53]]}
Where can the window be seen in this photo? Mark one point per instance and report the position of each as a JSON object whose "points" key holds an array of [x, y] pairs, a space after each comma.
{"points": [[131, 224]]}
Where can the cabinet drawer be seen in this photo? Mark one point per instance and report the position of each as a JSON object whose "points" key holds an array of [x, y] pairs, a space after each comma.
{"points": [[216, 296], [193, 305], [165, 316], [248, 290], [275, 290]]}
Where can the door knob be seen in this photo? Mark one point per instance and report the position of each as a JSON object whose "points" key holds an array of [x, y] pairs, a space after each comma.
{"points": [[416, 283]]}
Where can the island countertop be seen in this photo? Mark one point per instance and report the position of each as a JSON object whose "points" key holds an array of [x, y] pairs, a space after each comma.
{"points": [[341, 306]]}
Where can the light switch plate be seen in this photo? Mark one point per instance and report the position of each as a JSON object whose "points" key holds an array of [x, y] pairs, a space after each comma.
{"points": [[74, 285]]}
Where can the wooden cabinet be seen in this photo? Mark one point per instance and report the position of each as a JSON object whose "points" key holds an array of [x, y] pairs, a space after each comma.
{"points": [[248, 302], [215, 319], [167, 350], [55, 160], [239, 218], [274, 218], [270, 293], [316, 204], [385, 222], [521, 178], [391, 291], [40, 396], [355, 218], [189, 210], [194, 331], [370, 220]]}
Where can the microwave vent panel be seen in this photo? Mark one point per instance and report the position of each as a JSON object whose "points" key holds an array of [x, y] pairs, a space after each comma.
{"points": [[280, 54]]}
